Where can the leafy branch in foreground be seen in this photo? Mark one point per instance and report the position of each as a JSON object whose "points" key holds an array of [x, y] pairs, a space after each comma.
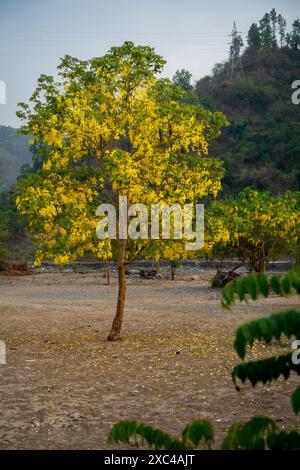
{"points": [[195, 434], [259, 432], [254, 285], [284, 441], [265, 370], [266, 329], [249, 435], [296, 400]]}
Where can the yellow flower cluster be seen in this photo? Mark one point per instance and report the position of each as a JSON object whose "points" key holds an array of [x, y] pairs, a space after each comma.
{"points": [[117, 136]]}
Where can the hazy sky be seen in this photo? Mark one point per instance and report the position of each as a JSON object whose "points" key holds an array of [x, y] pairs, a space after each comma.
{"points": [[191, 34]]}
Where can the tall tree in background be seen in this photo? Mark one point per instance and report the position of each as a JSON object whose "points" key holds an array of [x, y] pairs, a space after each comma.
{"points": [[182, 78], [253, 38], [274, 19], [281, 29], [113, 130], [266, 32], [293, 38], [265, 36]]}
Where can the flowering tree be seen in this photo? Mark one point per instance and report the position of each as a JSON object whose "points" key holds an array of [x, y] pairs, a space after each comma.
{"points": [[114, 130], [256, 226]]}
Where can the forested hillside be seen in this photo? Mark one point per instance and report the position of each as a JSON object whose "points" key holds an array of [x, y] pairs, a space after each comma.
{"points": [[261, 147], [253, 88]]}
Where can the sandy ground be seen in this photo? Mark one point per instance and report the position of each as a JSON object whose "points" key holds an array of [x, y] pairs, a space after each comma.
{"points": [[64, 386]]}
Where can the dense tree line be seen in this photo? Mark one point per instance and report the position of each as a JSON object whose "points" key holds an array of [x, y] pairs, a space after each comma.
{"points": [[14, 152], [271, 32]]}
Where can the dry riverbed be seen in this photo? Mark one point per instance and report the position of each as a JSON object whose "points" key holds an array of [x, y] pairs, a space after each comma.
{"points": [[64, 385]]}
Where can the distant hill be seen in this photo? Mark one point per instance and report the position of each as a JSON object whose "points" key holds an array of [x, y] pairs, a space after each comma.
{"points": [[14, 152], [261, 148]]}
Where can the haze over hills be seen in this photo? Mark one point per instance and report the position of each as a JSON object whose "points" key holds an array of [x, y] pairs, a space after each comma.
{"points": [[14, 152]]}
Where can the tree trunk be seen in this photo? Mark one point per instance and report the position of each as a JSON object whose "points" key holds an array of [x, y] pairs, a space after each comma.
{"points": [[261, 261], [115, 333], [108, 272]]}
